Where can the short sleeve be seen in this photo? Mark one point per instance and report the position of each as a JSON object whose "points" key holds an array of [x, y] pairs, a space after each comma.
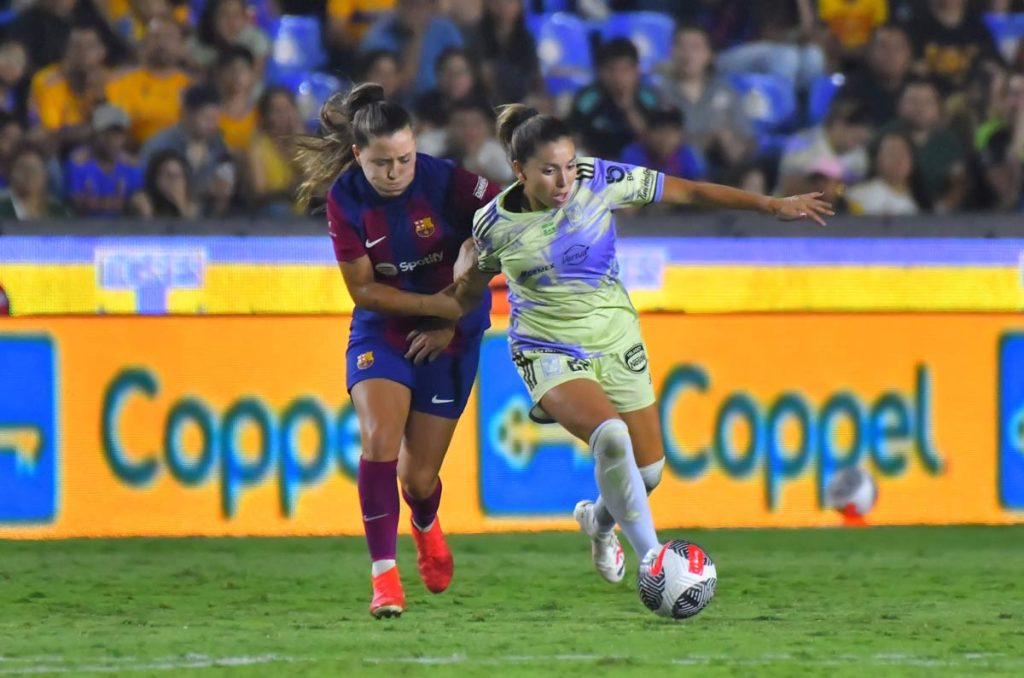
{"points": [[620, 184], [347, 244], [487, 259], [467, 194]]}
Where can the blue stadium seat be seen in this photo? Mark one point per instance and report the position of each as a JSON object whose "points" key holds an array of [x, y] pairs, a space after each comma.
{"points": [[651, 32], [297, 47], [1006, 30], [823, 90], [311, 93], [563, 46], [770, 103]]}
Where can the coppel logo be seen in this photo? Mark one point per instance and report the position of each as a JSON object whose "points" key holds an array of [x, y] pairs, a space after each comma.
{"points": [[28, 429], [1011, 421], [893, 429], [221, 459]]}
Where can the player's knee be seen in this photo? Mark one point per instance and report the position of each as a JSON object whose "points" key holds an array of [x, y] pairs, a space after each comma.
{"points": [[652, 474], [417, 483], [379, 443], [611, 439]]}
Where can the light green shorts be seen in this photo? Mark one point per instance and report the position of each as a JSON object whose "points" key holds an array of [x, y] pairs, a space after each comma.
{"points": [[622, 373]]}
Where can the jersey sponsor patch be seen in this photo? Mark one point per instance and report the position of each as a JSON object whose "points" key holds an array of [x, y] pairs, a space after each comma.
{"points": [[648, 185], [636, 358], [364, 361], [551, 365], [385, 268], [410, 266], [481, 188], [614, 174], [576, 254]]}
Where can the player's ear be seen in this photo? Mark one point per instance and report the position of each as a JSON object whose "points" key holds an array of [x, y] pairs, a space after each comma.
{"points": [[517, 169], [356, 154]]}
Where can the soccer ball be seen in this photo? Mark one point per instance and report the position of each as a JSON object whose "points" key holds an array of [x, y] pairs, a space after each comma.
{"points": [[852, 491], [677, 579]]}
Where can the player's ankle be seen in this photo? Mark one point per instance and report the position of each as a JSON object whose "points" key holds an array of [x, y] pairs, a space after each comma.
{"points": [[379, 567], [427, 528]]}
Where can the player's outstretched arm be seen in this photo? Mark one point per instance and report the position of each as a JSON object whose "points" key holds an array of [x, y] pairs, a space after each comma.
{"points": [[373, 296], [703, 194]]}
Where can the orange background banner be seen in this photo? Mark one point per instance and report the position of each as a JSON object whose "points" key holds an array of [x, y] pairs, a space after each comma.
{"points": [[241, 426]]}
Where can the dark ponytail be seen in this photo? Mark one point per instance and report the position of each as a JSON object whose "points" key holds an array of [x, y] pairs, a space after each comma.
{"points": [[348, 119], [522, 129]]}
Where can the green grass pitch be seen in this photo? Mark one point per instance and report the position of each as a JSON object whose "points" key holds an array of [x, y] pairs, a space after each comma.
{"points": [[882, 601]]}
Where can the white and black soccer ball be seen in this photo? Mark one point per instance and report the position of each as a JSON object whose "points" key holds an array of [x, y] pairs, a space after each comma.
{"points": [[852, 491], [677, 579]]}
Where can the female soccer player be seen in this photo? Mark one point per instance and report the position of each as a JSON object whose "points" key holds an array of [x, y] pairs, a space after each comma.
{"points": [[574, 334], [398, 221]]}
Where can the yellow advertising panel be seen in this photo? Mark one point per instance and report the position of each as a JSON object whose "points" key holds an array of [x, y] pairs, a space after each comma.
{"points": [[298, 274], [116, 426]]}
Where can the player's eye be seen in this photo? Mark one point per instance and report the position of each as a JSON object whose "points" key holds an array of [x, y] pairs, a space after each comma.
{"points": [[404, 159]]}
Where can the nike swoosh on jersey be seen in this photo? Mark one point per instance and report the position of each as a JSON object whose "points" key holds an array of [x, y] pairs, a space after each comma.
{"points": [[438, 401], [371, 243]]}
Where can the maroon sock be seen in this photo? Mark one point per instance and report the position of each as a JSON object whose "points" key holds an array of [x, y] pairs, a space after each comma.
{"points": [[424, 511], [378, 497]]}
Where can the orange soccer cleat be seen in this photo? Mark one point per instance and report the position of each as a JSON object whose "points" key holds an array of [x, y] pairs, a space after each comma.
{"points": [[388, 596], [434, 557]]}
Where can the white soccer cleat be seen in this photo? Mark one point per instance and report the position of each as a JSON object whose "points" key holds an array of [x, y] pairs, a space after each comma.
{"points": [[609, 559]]}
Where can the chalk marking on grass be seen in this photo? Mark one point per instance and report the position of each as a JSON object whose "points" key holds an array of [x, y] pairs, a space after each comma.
{"points": [[57, 665], [882, 659]]}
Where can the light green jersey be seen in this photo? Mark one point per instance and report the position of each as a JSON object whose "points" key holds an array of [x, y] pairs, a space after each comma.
{"points": [[562, 273]]}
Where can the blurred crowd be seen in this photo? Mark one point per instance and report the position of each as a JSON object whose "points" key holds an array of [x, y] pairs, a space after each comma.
{"points": [[190, 108]]}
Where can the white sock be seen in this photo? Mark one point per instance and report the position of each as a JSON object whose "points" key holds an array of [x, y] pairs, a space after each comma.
{"points": [[379, 567], [651, 475], [424, 529], [622, 488]]}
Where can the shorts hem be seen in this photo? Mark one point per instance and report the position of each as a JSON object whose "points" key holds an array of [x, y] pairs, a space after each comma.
{"points": [[537, 413], [635, 408]]}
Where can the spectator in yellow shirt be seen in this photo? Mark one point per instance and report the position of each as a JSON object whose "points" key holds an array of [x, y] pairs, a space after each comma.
{"points": [[852, 21], [63, 95], [271, 172], [129, 18], [236, 82], [151, 93]]}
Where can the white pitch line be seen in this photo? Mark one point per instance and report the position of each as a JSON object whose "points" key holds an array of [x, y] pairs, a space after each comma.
{"points": [[59, 664], [165, 665], [890, 659]]}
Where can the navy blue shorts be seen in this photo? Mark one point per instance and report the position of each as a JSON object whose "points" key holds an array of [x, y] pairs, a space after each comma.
{"points": [[440, 388]]}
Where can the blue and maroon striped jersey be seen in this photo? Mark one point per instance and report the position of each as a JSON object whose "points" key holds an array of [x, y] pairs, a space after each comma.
{"points": [[412, 240]]}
